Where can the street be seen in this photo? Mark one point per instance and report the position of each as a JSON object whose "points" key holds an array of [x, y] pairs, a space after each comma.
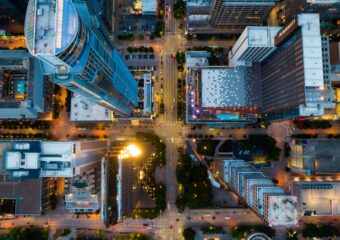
{"points": [[170, 224]]}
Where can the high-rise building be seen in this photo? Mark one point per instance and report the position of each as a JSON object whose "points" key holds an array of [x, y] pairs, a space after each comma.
{"points": [[107, 8], [226, 16], [270, 202], [293, 67], [74, 47], [25, 92], [329, 11], [292, 76], [254, 45], [120, 188]]}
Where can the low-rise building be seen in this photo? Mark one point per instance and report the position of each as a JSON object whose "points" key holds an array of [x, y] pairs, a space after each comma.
{"points": [[315, 156], [317, 198], [24, 197], [269, 201], [24, 90], [38, 162]]}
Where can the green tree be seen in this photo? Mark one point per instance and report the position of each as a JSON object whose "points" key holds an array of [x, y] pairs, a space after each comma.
{"points": [[189, 234], [179, 9], [239, 232], [53, 201], [28, 233]]}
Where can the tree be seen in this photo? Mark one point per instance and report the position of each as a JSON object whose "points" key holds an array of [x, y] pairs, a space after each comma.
{"points": [[320, 231], [180, 57], [189, 234], [179, 9], [239, 232], [140, 36], [53, 201], [28, 233]]}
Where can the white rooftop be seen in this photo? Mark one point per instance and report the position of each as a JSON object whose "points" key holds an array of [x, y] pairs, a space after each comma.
{"points": [[312, 50], [282, 210], [149, 6], [83, 110], [50, 26], [223, 87], [254, 44], [15, 160], [196, 58], [62, 148]]}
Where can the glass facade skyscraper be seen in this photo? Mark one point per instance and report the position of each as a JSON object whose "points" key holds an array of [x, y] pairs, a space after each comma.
{"points": [[73, 46]]}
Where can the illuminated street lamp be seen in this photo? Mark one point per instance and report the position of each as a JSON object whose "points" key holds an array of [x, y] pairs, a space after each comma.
{"points": [[127, 152]]}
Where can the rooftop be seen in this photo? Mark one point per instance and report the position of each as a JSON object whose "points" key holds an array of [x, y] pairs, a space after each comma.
{"points": [[318, 197], [196, 58], [27, 193], [282, 210], [84, 110], [223, 87], [50, 26], [81, 200], [321, 156], [149, 6]]}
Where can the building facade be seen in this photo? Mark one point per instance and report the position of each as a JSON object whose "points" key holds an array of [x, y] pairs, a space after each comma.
{"points": [[74, 47], [226, 16], [292, 76]]}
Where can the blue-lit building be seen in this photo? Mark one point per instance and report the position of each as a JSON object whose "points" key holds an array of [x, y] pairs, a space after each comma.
{"points": [[73, 45]]}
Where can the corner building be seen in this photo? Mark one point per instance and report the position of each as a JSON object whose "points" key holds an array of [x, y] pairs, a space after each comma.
{"points": [[292, 76], [73, 45]]}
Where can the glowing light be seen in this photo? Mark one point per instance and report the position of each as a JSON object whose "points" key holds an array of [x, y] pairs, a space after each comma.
{"points": [[133, 150]]}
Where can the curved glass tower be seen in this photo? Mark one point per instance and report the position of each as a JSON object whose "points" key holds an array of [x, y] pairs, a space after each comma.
{"points": [[69, 40]]}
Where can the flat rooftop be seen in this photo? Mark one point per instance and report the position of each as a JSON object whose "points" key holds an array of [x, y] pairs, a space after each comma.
{"points": [[196, 58], [83, 110], [27, 193], [318, 197], [53, 27], [223, 87], [322, 156], [282, 210], [149, 6]]}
